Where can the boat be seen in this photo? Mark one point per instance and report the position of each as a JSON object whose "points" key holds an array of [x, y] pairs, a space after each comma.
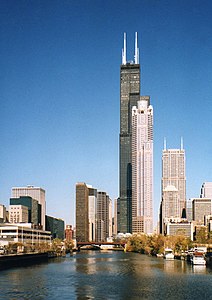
{"points": [[168, 254], [198, 258]]}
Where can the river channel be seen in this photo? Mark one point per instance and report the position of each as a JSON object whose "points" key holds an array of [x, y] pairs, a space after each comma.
{"points": [[107, 275]]}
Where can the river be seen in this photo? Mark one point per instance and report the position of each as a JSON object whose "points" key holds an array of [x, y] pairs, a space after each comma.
{"points": [[107, 275]]}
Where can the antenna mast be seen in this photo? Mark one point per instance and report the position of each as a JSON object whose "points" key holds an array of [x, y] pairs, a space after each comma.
{"points": [[181, 146], [164, 143], [136, 49], [124, 51]]}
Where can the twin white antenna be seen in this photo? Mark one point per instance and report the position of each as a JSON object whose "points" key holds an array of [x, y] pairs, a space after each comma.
{"points": [[124, 50], [181, 143]]}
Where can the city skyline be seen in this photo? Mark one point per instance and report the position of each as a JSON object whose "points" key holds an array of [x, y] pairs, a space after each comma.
{"points": [[60, 92]]}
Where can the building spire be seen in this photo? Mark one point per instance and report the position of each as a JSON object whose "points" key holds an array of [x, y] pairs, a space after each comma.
{"points": [[124, 51], [136, 49]]}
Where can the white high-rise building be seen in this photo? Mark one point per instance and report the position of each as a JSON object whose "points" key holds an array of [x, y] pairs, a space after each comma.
{"points": [[142, 166], [173, 184], [36, 193]]}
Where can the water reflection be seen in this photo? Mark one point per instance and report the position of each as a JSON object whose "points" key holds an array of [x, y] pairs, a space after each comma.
{"points": [[108, 275], [200, 269]]}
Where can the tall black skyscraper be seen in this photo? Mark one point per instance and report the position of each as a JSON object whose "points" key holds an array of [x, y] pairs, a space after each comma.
{"points": [[129, 95]]}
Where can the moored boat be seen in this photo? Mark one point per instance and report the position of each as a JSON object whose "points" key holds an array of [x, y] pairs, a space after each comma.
{"points": [[198, 258], [168, 254]]}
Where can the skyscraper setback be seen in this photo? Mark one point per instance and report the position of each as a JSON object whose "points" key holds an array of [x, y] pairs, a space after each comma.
{"points": [[142, 166], [129, 98]]}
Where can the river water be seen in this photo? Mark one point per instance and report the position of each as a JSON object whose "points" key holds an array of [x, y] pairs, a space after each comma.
{"points": [[107, 275]]}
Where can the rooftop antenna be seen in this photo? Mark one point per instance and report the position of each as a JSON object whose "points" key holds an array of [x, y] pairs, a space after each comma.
{"points": [[136, 49], [124, 51], [181, 143], [164, 144]]}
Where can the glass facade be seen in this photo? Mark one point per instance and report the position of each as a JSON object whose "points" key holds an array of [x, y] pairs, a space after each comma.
{"points": [[34, 210], [56, 227]]}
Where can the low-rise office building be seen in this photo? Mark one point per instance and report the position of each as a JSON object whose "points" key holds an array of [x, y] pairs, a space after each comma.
{"points": [[179, 227], [23, 233]]}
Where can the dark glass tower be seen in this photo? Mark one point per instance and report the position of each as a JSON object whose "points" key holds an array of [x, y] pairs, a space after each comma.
{"points": [[129, 95]]}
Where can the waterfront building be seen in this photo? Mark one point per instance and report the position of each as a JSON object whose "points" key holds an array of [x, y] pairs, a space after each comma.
{"points": [[86, 203], [34, 208], [23, 233], [104, 216], [115, 215], [206, 190], [36, 193], [173, 185], [142, 166], [3, 213], [69, 233], [100, 231], [92, 202], [129, 96], [82, 223], [55, 226], [110, 219], [180, 228], [93, 214], [18, 214], [201, 207]]}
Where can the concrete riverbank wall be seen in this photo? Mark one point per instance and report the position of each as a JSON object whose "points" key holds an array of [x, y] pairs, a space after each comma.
{"points": [[22, 260]]}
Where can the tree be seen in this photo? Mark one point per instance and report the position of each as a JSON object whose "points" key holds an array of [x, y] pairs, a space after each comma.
{"points": [[138, 243], [157, 244], [201, 235]]}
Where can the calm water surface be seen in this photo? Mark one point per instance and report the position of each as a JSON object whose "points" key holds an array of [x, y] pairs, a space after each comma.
{"points": [[107, 275]]}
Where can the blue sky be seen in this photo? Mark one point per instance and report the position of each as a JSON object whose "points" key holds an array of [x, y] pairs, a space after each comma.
{"points": [[59, 90]]}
